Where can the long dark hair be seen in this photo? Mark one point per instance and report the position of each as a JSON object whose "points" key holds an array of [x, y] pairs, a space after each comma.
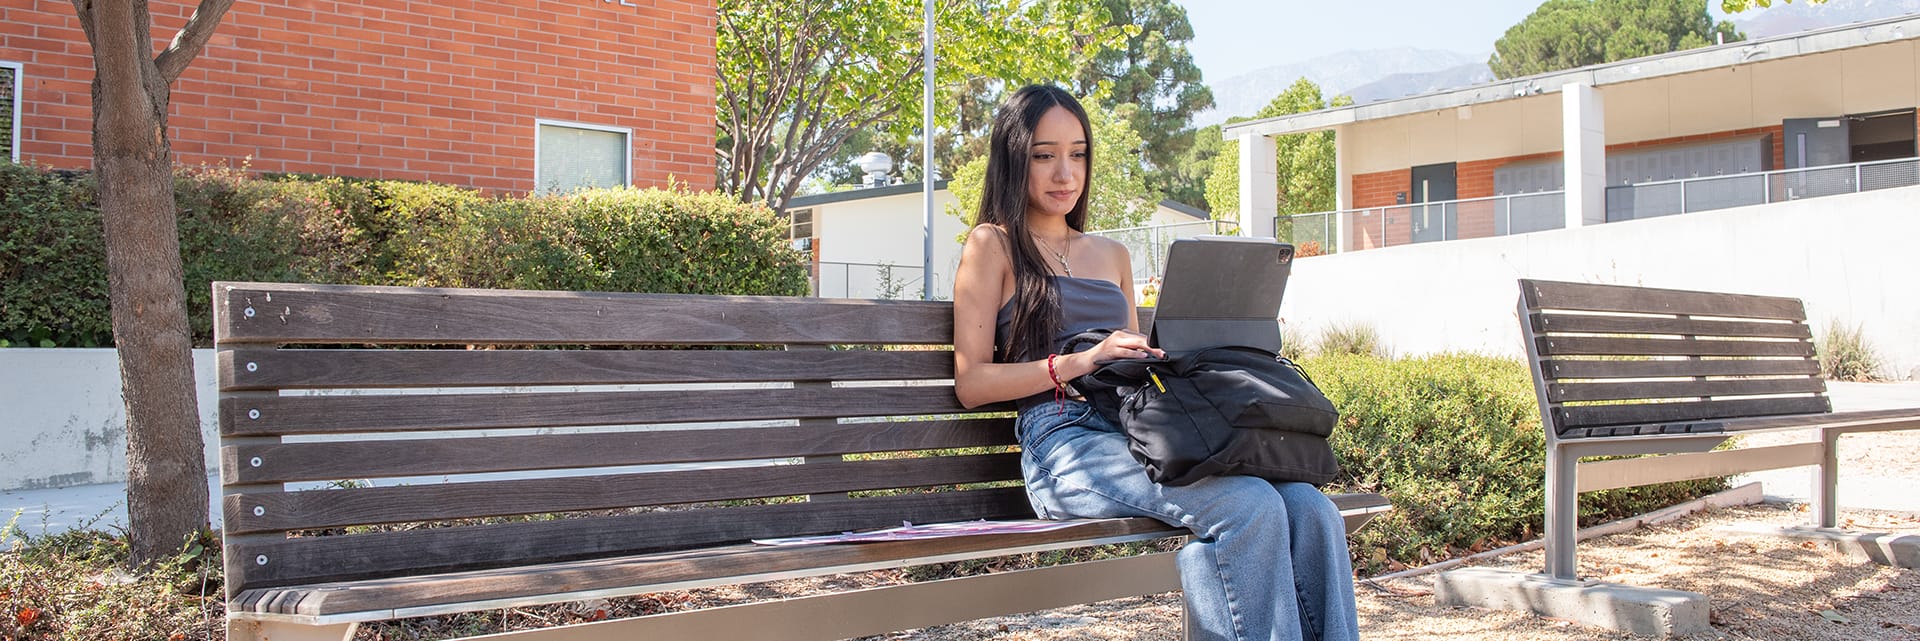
{"points": [[1003, 202]]}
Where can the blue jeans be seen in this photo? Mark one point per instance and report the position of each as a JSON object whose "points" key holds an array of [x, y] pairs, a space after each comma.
{"points": [[1267, 561]]}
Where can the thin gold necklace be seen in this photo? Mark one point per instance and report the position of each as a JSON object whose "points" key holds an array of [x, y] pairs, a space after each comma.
{"points": [[1060, 256]]}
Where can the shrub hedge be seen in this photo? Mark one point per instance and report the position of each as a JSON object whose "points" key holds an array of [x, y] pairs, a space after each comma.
{"points": [[1454, 440], [234, 226], [53, 271]]}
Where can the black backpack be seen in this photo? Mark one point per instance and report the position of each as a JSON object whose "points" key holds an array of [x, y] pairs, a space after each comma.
{"points": [[1222, 410]]}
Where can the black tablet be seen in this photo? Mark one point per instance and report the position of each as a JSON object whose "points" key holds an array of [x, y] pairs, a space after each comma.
{"points": [[1222, 290]]}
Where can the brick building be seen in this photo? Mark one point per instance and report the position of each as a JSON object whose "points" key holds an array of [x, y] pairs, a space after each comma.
{"points": [[502, 95]]}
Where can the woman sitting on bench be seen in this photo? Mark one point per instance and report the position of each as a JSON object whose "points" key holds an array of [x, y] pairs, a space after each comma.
{"points": [[1267, 560]]}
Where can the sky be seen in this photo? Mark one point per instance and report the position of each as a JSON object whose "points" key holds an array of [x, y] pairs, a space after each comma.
{"points": [[1233, 37]]}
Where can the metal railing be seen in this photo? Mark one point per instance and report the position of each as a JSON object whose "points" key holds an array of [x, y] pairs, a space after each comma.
{"points": [[1706, 193], [868, 280], [1374, 227], [1147, 246]]}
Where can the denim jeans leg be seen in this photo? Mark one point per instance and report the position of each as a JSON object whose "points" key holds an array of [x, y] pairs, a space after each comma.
{"points": [[1323, 574], [1239, 572]]}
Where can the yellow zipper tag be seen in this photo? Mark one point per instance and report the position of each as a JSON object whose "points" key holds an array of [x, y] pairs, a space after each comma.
{"points": [[1156, 381]]}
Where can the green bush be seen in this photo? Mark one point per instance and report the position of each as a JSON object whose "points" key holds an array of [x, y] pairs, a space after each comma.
{"points": [[1455, 442], [632, 240], [53, 265], [234, 226]]}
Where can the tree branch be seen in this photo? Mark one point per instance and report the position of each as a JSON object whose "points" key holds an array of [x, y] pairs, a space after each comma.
{"points": [[84, 8], [191, 39]]}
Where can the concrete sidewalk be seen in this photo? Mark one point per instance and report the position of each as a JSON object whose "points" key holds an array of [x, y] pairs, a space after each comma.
{"points": [[103, 506]]}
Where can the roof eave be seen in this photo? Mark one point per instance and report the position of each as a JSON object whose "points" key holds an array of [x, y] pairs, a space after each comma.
{"points": [[1667, 64]]}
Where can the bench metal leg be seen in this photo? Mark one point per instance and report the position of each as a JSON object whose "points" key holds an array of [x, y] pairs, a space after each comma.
{"points": [[1563, 512], [248, 630], [1186, 618], [1826, 490]]}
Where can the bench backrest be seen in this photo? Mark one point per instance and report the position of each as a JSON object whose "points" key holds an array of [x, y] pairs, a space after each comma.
{"points": [[380, 431], [1611, 360]]}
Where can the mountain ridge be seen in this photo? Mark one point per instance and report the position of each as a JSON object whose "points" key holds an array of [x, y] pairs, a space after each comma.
{"points": [[1383, 74]]}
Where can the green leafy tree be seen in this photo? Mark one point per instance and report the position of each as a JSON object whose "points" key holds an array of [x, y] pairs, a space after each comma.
{"points": [[796, 80], [1185, 180], [1564, 34], [1118, 196], [1305, 162], [1155, 73], [962, 136], [1737, 6]]}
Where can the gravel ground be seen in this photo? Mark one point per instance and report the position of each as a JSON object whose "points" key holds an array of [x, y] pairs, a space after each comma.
{"points": [[1759, 587]]}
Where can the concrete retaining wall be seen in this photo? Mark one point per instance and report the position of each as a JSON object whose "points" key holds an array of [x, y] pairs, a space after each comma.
{"points": [[1849, 257], [62, 421]]}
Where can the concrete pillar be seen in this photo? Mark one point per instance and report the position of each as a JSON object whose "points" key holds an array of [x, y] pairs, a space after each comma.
{"points": [[1259, 184], [1583, 124], [1342, 190]]}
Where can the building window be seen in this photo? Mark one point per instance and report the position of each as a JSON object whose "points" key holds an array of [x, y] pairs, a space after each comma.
{"points": [[10, 84], [574, 156], [800, 229]]}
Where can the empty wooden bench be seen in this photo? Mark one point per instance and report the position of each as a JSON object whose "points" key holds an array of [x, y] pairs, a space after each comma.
{"points": [[1623, 371], [1633, 370], [399, 452]]}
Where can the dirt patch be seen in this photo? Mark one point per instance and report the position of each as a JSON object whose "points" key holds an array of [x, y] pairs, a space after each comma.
{"points": [[1759, 588]]}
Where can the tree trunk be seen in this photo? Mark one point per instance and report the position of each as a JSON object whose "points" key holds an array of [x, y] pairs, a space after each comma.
{"points": [[166, 469]]}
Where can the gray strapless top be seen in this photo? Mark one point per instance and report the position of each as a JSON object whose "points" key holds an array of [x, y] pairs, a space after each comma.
{"points": [[1088, 303]]}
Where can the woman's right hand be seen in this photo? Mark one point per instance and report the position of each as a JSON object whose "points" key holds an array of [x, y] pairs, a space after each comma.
{"points": [[1121, 344]]}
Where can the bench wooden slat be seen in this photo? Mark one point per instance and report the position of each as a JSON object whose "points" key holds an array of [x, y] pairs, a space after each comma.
{"points": [[352, 314], [639, 572], [262, 368], [1613, 346], [1598, 324], [1645, 300], [1897, 416], [668, 568], [283, 415], [326, 461], [1556, 369], [1562, 392], [425, 551], [317, 509], [1606, 415]]}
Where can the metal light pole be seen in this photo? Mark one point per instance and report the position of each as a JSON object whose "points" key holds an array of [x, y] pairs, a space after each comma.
{"points": [[926, 163]]}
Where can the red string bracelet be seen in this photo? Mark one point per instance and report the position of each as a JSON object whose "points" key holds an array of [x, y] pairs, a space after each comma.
{"points": [[1059, 388]]}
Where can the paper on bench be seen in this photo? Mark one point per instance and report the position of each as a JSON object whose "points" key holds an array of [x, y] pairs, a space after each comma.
{"points": [[911, 532]]}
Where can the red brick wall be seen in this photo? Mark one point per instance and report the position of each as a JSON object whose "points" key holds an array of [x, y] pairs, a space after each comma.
{"points": [[1474, 179], [446, 91]]}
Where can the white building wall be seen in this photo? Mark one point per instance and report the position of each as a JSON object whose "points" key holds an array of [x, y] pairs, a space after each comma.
{"points": [[64, 423], [1759, 94], [886, 230], [1849, 257]]}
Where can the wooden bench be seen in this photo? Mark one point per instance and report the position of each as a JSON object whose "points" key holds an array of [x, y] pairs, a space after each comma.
{"points": [[1632, 370], [398, 452]]}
